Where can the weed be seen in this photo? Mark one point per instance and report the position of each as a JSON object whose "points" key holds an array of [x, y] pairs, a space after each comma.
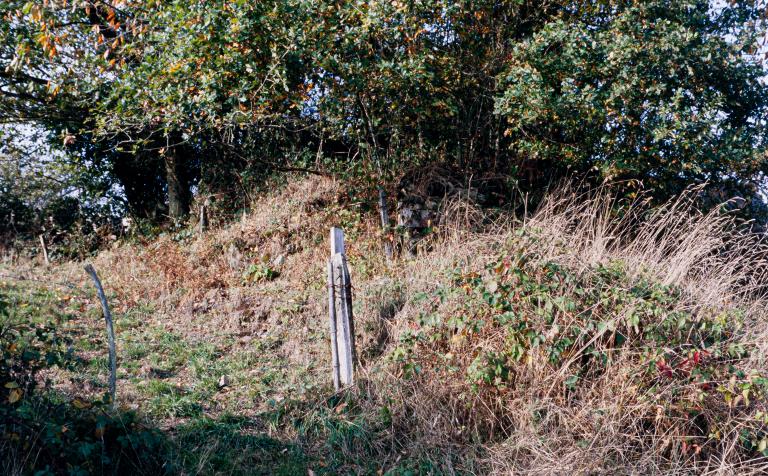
{"points": [[259, 272]]}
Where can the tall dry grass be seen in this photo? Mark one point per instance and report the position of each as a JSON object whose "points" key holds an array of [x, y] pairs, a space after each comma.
{"points": [[617, 421], [710, 254]]}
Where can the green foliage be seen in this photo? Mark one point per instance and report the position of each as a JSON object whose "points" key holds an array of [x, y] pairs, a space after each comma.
{"points": [[42, 195], [661, 93], [203, 65], [42, 431], [259, 272], [652, 91]]}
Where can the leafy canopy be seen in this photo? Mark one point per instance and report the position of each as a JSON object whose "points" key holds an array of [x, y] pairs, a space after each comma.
{"points": [[663, 93]]}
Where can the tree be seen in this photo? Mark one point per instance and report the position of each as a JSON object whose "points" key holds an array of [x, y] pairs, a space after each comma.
{"points": [[41, 193], [655, 92], [663, 94], [57, 61]]}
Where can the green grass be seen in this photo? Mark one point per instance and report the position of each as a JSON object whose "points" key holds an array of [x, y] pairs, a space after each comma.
{"points": [[170, 401], [231, 445], [272, 417]]}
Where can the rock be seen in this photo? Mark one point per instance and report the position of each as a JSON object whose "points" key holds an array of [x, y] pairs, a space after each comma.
{"points": [[246, 339], [234, 258], [223, 381]]}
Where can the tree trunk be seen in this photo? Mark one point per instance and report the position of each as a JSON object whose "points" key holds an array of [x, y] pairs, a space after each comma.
{"points": [[178, 192], [143, 180]]}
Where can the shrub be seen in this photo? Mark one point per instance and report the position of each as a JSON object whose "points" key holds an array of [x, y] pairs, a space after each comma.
{"points": [[259, 272], [487, 329]]}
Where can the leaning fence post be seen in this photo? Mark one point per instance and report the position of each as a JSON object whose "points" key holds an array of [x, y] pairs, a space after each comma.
{"points": [[340, 313], [45, 250], [110, 331]]}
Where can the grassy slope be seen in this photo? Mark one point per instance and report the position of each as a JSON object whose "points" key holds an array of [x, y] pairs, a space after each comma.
{"points": [[188, 313], [192, 310]]}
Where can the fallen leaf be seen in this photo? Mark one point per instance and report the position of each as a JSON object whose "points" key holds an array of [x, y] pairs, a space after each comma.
{"points": [[80, 403], [15, 395]]}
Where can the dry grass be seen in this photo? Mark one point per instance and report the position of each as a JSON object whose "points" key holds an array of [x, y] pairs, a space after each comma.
{"points": [[615, 421], [708, 253]]}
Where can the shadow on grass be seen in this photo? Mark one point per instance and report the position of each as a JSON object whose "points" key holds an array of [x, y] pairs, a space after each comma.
{"points": [[232, 445], [45, 435]]}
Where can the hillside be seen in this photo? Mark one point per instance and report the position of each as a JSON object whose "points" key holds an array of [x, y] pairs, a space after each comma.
{"points": [[580, 340], [555, 215]]}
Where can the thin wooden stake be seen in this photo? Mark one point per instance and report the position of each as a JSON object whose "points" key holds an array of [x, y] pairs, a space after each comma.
{"points": [[202, 224], [384, 216], [110, 332]]}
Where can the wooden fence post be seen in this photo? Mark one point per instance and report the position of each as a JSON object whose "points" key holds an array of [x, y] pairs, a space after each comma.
{"points": [[332, 319], [342, 325], [385, 226], [45, 250], [110, 332], [202, 224]]}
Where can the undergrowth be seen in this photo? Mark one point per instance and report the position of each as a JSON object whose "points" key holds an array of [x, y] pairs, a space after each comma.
{"points": [[593, 337], [53, 433], [526, 329]]}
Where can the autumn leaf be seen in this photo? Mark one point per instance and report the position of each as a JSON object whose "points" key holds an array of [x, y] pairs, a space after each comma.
{"points": [[15, 395], [81, 404]]}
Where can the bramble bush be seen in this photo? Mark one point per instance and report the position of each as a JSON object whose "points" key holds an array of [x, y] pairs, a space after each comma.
{"points": [[526, 328]]}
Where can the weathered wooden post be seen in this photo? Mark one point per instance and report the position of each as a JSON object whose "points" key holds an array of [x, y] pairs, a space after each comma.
{"points": [[45, 250], [332, 319], [202, 224], [341, 319], [385, 227], [110, 332]]}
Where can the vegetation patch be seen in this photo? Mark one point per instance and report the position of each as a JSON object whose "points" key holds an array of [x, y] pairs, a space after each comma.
{"points": [[56, 433], [526, 331]]}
